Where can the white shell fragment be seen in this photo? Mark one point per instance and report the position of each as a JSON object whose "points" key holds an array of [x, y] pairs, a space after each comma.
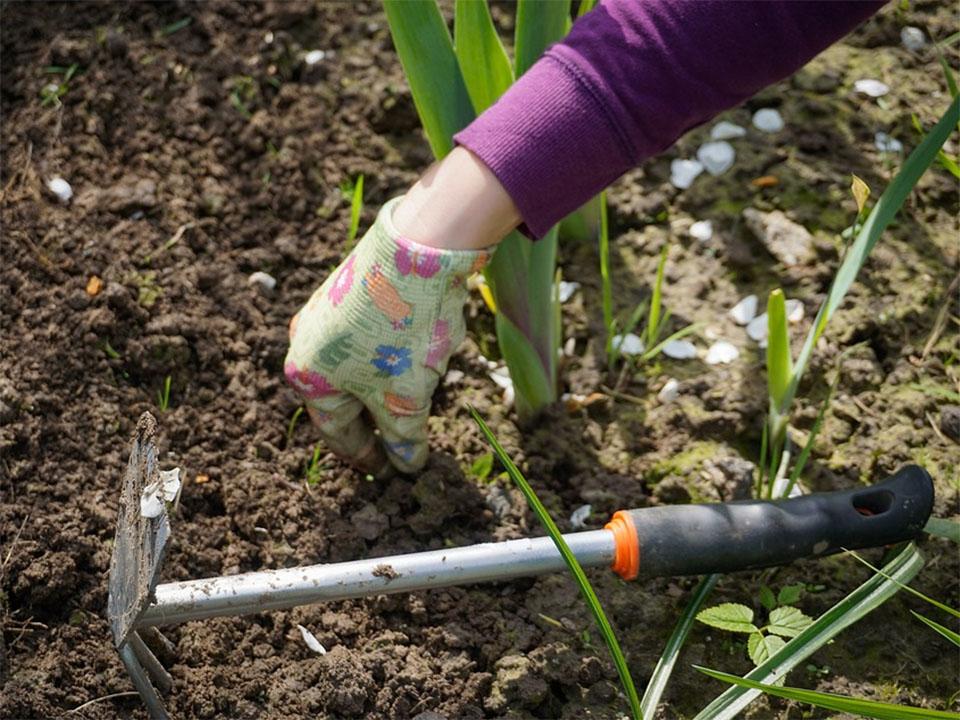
{"points": [[501, 376], [566, 290], [680, 350], [579, 517], [165, 488], [886, 144], [721, 353], [311, 640], [794, 310], [716, 157], [757, 328], [701, 230], [745, 310], [314, 56], [913, 38], [264, 280], [724, 130], [669, 392], [61, 188], [871, 87], [628, 344], [684, 172], [768, 120]]}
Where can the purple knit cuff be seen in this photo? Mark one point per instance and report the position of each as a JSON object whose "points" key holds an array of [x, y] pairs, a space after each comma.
{"points": [[535, 157]]}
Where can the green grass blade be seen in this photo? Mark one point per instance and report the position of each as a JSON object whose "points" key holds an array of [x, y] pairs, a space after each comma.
{"points": [[947, 73], [585, 7], [653, 319], [916, 593], [946, 632], [607, 287], [866, 598], [831, 701], [668, 658], [572, 563], [941, 527], [356, 206], [779, 361], [878, 220], [682, 333], [426, 52], [539, 24], [483, 61]]}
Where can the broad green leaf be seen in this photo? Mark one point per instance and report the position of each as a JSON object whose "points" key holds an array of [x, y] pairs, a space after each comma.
{"points": [[586, 589], [788, 621], [877, 221], [426, 52], [483, 61], [789, 594], [941, 527], [767, 598], [668, 658], [482, 466], [761, 647], [866, 598], [836, 703], [729, 616], [946, 632], [539, 24], [779, 362], [861, 191]]}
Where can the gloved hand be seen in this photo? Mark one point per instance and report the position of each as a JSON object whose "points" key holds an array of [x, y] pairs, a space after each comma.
{"points": [[374, 341]]}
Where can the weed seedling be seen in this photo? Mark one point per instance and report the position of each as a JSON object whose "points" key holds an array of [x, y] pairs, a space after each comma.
{"points": [[353, 191], [292, 425], [52, 92], [243, 92], [314, 468], [163, 396], [482, 467]]}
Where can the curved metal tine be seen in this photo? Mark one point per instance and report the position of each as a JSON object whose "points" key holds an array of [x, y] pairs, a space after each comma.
{"points": [[142, 683], [149, 661], [161, 646]]}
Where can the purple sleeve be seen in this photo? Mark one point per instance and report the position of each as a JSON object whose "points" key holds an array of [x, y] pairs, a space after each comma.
{"points": [[629, 79]]}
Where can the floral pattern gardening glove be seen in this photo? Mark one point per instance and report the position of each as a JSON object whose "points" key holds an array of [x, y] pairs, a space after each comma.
{"points": [[374, 341]]}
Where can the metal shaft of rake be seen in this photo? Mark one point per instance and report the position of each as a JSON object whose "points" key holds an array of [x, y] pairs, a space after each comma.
{"points": [[255, 592]]}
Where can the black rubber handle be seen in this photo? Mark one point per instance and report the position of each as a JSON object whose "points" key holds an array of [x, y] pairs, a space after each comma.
{"points": [[724, 537]]}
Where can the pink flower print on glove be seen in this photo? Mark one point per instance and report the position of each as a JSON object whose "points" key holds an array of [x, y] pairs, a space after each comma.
{"points": [[310, 384], [343, 282], [418, 259]]}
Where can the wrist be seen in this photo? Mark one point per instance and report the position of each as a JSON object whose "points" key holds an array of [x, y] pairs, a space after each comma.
{"points": [[458, 204]]}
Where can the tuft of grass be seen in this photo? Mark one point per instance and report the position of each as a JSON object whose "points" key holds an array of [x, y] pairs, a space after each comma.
{"points": [[292, 425], [314, 470], [243, 91], [163, 396], [51, 93], [586, 589]]}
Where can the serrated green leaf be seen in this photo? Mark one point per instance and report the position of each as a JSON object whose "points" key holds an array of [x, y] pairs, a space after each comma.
{"points": [[789, 594], [788, 621], [766, 598], [761, 647], [729, 616]]}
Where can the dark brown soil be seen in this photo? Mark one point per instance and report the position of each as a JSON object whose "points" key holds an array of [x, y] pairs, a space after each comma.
{"points": [[199, 154]]}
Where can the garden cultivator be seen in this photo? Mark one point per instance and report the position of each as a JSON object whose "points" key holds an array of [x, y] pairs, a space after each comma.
{"points": [[645, 543]]}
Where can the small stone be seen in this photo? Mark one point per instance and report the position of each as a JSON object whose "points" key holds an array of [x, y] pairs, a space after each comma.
{"points": [[628, 344], [950, 422], [264, 280], [61, 188], [311, 640], [94, 286], [757, 328], [453, 377], [716, 157], [872, 88], [566, 290], [789, 242], [684, 172], [314, 56], [579, 517], [669, 392], [886, 144], [794, 310], [768, 120], [680, 350], [701, 230], [913, 38], [724, 130], [721, 353], [745, 310]]}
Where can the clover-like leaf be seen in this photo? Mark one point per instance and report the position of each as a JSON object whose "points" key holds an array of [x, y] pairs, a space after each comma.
{"points": [[761, 647]]}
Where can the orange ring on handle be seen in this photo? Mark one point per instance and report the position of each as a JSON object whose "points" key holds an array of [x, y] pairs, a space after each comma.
{"points": [[626, 553]]}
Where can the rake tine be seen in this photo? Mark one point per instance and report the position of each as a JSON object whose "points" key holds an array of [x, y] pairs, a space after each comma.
{"points": [[159, 645], [157, 672], [142, 683]]}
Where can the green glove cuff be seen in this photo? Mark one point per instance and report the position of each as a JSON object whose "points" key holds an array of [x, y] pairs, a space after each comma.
{"points": [[378, 334]]}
